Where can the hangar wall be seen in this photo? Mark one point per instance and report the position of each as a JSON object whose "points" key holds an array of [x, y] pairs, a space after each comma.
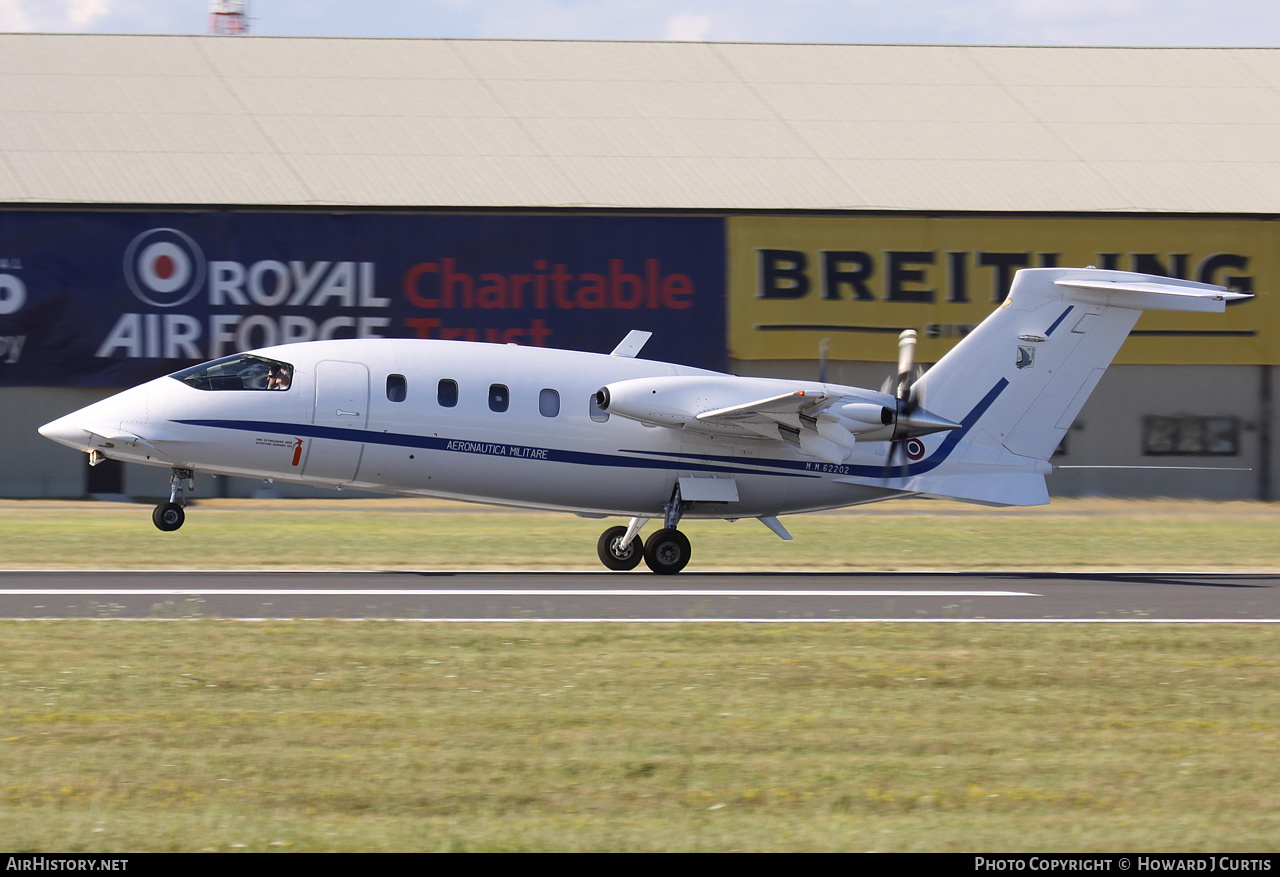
{"points": [[1187, 390], [94, 300]]}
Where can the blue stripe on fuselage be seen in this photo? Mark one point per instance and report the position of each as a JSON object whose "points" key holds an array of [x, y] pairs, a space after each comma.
{"points": [[466, 446], [690, 462]]}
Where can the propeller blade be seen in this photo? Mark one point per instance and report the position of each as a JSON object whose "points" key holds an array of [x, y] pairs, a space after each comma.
{"points": [[906, 362], [908, 401], [895, 465]]}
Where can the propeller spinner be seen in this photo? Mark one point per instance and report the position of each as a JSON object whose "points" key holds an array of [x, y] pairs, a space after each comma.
{"points": [[911, 419]]}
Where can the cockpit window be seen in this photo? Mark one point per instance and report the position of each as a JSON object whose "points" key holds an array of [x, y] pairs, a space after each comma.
{"points": [[242, 371]]}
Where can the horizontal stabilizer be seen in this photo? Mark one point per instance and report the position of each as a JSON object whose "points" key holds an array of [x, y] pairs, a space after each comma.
{"points": [[1162, 294]]}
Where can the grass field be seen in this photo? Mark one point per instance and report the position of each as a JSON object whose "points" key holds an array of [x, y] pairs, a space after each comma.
{"points": [[419, 534], [390, 736], [330, 736]]}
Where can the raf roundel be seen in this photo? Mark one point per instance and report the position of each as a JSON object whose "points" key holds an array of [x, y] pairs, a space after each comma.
{"points": [[164, 267]]}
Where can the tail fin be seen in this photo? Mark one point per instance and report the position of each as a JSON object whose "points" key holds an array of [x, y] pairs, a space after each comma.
{"points": [[1019, 379]]}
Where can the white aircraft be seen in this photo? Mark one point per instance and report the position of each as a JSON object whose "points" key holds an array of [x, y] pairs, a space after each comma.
{"points": [[603, 435]]}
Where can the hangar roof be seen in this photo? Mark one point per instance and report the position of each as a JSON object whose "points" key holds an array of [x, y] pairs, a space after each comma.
{"points": [[395, 123]]}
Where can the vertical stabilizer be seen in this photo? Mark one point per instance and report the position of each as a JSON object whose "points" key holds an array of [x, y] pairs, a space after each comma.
{"points": [[1020, 378]]}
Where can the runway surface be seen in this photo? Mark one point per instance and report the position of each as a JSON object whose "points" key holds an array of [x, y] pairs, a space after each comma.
{"points": [[551, 596]]}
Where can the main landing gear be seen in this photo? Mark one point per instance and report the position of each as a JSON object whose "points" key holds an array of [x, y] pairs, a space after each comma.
{"points": [[666, 552], [169, 516], [620, 548]]}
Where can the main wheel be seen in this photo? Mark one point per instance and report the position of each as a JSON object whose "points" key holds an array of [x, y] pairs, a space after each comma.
{"points": [[667, 551], [168, 516], [614, 554]]}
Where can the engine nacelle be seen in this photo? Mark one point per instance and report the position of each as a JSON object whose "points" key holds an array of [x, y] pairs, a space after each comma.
{"points": [[677, 400], [865, 416], [821, 419]]}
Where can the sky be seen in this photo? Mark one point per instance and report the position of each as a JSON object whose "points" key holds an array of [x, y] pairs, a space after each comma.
{"points": [[967, 22]]}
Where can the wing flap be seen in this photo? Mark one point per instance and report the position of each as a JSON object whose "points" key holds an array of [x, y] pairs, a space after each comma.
{"points": [[784, 408], [819, 419]]}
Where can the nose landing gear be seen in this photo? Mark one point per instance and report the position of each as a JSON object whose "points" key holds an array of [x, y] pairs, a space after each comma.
{"points": [[169, 516]]}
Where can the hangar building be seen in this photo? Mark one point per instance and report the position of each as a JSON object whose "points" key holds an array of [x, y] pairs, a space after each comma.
{"points": [[169, 199]]}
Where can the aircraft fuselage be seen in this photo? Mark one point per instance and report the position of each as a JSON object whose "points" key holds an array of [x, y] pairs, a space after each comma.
{"points": [[502, 424]]}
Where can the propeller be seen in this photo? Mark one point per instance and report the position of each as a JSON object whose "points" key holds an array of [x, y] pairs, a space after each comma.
{"points": [[908, 402]]}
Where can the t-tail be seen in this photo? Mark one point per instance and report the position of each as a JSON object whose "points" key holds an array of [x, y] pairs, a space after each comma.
{"points": [[1016, 383]]}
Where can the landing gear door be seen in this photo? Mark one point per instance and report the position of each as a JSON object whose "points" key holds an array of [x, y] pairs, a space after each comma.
{"points": [[342, 410]]}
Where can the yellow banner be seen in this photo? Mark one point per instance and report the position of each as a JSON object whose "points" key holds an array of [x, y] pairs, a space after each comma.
{"points": [[858, 281]]}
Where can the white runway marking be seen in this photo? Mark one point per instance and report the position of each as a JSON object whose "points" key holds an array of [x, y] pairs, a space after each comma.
{"points": [[289, 619], [477, 592]]}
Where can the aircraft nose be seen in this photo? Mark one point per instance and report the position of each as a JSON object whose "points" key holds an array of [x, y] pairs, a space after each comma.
{"points": [[65, 432]]}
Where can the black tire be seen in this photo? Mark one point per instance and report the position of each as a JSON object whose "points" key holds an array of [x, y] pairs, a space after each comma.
{"points": [[168, 516], [667, 552], [612, 554]]}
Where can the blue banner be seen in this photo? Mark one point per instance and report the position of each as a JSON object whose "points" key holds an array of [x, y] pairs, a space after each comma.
{"points": [[113, 299]]}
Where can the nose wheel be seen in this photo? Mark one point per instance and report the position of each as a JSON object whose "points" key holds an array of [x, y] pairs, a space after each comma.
{"points": [[169, 516]]}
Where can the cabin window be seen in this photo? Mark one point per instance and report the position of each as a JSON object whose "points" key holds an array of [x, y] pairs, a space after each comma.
{"points": [[598, 414], [447, 393], [499, 398], [241, 371], [548, 403], [397, 388]]}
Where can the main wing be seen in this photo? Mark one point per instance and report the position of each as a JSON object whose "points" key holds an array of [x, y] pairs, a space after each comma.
{"points": [[823, 420]]}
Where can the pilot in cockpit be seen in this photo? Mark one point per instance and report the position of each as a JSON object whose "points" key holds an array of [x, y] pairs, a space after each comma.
{"points": [[279, 377]]}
